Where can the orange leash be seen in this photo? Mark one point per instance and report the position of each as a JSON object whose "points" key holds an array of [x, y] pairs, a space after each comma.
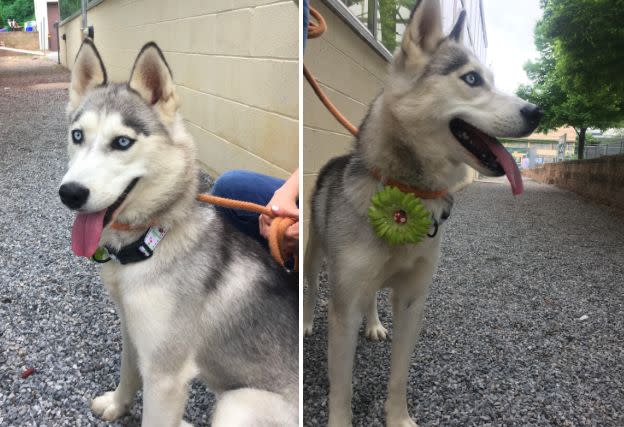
{"points": [[316, 30], [278, 225], [277, 230]]}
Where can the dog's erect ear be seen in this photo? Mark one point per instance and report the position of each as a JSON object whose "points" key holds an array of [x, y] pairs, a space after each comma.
{"points": [[458, 29], [422, 34], [88, 72], [152, 79]]}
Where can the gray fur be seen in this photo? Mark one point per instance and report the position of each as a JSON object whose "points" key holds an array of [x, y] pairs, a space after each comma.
{"points": [[120, 98], [448, 58]]}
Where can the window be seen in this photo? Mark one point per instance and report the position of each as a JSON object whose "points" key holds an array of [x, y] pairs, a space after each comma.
{"points": [[70, 7], [385, 19]]}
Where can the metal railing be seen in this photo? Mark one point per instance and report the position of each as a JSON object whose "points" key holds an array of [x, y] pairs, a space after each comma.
{"points": [[600, 150]]}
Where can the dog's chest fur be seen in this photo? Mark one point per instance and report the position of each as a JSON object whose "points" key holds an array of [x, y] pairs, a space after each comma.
{"points": [[146, 308]]}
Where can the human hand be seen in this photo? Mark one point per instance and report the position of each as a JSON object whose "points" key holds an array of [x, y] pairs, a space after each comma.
{"points": [[283, 204]]}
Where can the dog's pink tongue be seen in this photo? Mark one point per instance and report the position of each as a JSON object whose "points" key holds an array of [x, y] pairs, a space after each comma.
{"points": [[86, 232], [509, 166]]}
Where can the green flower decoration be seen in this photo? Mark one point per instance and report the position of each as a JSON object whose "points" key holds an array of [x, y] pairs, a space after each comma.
{"points": [[398, 217]]}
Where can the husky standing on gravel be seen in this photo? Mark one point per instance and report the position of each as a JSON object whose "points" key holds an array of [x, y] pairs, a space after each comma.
{"points": [[195, 297], [438, 111]]}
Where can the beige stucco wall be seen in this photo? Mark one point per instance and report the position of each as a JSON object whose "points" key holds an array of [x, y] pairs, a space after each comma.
{"points": [[234, 64], [351, 73], [20, 40]]}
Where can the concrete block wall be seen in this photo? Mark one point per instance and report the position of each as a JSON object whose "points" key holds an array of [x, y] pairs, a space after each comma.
{"points": [[234, 63], [600, 180], [351, 73], [20, 40]]}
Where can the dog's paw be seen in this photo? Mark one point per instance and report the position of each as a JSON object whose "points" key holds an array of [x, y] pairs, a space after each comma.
{"points": [[185, 424], [401, 422], [108, 407], [376, 332], [308, 327]]}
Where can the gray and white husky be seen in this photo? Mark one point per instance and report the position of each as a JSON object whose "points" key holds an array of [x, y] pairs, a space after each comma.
{"points": [[438, 112], [203, 302]]}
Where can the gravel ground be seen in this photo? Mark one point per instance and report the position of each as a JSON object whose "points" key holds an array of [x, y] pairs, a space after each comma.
{"points": [[504, 343], [55, 315]]}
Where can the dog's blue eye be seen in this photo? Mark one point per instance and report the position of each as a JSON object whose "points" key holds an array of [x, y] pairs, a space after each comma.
{"points": [[472, 79], [76, 136], [122, 143]]}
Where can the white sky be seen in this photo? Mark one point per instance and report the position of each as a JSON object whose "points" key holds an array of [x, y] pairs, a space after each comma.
{"points": [[509, 26]]}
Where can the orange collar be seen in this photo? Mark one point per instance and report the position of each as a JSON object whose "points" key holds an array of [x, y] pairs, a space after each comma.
{"points": [[408, 188], [120, 226]]}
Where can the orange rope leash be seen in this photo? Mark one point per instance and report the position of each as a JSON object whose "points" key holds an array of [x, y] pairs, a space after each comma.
{"points": [[277, 230], [316, 30], [278, 225]]}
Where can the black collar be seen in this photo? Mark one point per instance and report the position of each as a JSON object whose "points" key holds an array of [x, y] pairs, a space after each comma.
{"points": [[137, 251]]}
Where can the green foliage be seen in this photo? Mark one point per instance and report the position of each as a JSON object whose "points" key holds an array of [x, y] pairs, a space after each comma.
{"points": [[388, 20], [588, 42], [574, 80], [390, 14], [20, 10]]}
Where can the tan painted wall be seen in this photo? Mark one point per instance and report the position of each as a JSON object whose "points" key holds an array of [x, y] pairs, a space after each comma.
{"points": [[234, 64], [20, 40], [600, 180], [351, 73]]}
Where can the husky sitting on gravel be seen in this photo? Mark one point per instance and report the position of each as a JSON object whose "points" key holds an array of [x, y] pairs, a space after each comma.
{"points": [[195, 297]]}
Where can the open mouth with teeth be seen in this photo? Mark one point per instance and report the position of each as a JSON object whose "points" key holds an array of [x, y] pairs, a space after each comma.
{"points": [[88, 227], [489, 152]]}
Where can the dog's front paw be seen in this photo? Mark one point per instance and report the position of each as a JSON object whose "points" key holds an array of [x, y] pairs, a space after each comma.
{"points": [[108, 406], [376, 332], [400, 422]]}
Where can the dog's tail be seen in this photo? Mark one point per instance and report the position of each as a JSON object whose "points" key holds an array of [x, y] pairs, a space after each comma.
{"points": [[311, 268]]}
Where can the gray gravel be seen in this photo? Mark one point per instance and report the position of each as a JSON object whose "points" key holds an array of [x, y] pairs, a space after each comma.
{"points": [[502, 343], [54, 313]]}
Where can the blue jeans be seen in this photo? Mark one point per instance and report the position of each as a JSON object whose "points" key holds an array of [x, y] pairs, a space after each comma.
{"points": [[306, 19], [251, 187]]}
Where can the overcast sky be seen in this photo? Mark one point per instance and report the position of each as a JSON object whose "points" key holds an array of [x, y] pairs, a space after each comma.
{"points": [[509, 26]]}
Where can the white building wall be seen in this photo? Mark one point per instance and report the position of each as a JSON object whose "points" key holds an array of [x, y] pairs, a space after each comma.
{"points": [[41, 16]]}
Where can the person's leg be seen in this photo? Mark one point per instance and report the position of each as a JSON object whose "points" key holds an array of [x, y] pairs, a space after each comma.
{"points": [[250, 187]]}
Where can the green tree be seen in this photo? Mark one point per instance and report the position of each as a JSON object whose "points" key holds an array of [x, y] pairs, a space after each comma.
{"points": [[571, 36], [20, 10], [67, 7]]}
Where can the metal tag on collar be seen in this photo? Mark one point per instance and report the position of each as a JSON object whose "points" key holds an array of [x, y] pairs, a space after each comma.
{"points": [[101, 255], [152, 239]]}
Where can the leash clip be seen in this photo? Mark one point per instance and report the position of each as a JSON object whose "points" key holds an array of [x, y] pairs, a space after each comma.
{"points": [[435, 228]]}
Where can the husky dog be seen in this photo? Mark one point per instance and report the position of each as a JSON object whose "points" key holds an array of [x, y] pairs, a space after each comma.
{"points": [[438, 112], [207, 301]]}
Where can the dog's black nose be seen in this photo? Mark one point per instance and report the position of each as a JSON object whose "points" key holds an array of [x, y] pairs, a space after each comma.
{"points": [[532, 114], [73, 195]]}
